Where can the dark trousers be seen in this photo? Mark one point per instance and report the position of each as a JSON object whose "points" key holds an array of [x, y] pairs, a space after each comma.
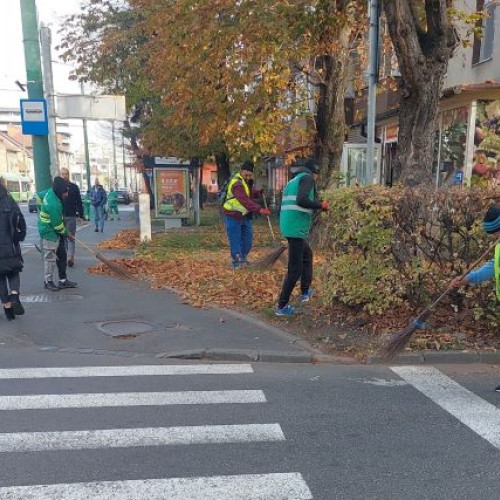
{"points": [[300, 266], [10, 281]]}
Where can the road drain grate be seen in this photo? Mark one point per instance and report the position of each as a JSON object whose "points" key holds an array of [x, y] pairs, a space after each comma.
{"points": [[45, 298]]}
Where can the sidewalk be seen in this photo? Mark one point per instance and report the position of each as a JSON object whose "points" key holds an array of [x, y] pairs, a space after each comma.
{"points": [[85, 319]]}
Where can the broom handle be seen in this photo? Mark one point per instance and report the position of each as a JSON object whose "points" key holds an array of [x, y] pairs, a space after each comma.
{"points": [[84, 245], [269, 219], [472, 266]]}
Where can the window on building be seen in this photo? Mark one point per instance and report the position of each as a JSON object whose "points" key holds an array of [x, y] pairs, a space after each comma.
{"points": [[483, 44], [213, 178]]}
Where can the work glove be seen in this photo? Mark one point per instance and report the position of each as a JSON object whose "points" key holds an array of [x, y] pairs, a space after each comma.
{"points": [[325, 206], [265, 211]]}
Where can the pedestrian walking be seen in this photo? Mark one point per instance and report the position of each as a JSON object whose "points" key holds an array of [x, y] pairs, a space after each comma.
{"points": [[73, 212], [238, 207], [12, 232], [113, 204], [98, 200], [53, 234], [298, 204], [491, 270]]}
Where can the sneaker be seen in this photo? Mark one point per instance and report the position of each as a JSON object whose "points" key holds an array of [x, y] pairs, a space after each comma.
{"points": [[306, 297], [96, 230], [497, 388], [288, 310], [16, 304], [9, 313], [50, 285], [67, 284], [71, 262]]}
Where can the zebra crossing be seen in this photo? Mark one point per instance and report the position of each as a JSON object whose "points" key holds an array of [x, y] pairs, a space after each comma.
{"points": [[246, 486]]}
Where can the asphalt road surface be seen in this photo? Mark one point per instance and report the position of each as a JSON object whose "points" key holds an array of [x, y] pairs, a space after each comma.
{"points": [[76, 426]]}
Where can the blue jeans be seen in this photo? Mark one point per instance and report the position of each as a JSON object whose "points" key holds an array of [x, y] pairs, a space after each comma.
{"points": [[99, 217], [239, 235]]}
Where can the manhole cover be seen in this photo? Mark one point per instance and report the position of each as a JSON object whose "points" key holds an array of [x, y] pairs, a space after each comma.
{"points": [[52, 297], [124, 328]]}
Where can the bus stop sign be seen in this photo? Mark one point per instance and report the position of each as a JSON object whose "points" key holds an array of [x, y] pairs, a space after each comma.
{"points": [[34, 118]]}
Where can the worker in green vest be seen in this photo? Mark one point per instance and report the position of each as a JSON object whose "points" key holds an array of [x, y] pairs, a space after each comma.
{"points": [[297, 207], [113, 204], [86, 206], [490, 270], [237, 207]]}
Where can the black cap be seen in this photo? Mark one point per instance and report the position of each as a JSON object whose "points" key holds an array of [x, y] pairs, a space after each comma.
{"points": [[60, 186], [312, 165], [248, 165]]}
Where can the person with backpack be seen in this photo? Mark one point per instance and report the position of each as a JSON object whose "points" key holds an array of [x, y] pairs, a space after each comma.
{"points": [[297, 207], [237, 207], [12, 232], [98, 200]]}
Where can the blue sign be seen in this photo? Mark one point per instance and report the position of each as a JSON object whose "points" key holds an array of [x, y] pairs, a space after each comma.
{"points": [[34, 117], [459, 177]]}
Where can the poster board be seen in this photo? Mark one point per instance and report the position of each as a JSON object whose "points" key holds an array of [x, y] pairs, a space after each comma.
{"points": [[172, 192]]}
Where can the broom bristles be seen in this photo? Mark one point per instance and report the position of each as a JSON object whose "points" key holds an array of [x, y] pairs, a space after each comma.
{"points": [[116, 268], [270, 259], [398, 342]]}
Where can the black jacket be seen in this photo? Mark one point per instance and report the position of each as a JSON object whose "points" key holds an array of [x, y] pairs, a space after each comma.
{"points": [[72, 205], [12, 231]]}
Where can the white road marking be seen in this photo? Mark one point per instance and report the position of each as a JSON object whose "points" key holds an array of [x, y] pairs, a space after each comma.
{"points": [[108, 400], [474, 412], [290, 486], [126, 438], [124, 371]]}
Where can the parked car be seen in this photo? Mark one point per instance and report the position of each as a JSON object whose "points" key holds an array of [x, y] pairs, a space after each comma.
{"points": [[32, 206], [123, 197]]}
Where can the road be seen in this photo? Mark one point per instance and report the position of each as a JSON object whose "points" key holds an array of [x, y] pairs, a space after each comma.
{"points": [[77, 426]]}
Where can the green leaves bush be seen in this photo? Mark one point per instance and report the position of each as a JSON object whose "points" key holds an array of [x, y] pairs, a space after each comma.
{"points": [[386, 247]]}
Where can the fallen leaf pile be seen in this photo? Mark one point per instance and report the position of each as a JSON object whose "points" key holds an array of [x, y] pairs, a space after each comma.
{"points": [[125, 239]]}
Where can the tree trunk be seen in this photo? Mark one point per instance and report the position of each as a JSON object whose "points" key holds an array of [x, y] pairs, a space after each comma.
{"points": [[423, 50], [223, 170], [330, 116]]}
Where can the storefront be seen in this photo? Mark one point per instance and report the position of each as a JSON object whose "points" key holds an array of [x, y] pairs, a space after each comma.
{"points": [[467, 141]]}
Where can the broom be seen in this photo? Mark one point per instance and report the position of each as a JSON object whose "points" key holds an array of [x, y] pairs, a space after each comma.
{"points": [[275, 254], [398, 341], [117, 269]]}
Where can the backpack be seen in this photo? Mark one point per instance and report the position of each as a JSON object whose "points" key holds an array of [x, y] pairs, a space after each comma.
{"points": [[223, 192]]}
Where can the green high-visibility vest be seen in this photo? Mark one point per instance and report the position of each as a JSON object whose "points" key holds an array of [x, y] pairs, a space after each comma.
{"points": [[497, 271], [295, 221]]}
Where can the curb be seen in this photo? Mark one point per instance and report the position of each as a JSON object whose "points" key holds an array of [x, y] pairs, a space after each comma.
{"points": [[236, 355], [438, 358]]}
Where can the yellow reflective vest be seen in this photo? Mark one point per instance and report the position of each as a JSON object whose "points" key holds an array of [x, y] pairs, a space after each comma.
{"points": [[232, 204], [497, 270]]}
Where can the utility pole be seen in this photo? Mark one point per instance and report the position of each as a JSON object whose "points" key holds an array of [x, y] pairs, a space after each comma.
{"points": [[48, 80], [124, 167], [31, 41], [115, 166], [374, 7], [86, 144]]}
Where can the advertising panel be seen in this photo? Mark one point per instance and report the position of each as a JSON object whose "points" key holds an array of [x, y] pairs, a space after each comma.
{"points": [[171, 187]]}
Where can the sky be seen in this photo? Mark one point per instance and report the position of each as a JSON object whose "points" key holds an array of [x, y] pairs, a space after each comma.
{"points": [[12, 64]]}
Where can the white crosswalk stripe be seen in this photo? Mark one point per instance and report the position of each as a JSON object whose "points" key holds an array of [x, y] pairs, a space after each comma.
{"points": [[153, 436], [245, 487], [124, 371], [268, 486]]}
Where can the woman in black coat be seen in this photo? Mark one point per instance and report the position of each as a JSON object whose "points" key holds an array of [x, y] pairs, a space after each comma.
{"points": [[12, 231]]}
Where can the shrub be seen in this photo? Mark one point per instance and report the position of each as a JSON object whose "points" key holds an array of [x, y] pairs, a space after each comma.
{"points": [[388, 247]]}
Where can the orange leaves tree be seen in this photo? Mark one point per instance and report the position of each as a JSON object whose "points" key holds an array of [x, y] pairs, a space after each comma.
{"points": [[225, 78]]}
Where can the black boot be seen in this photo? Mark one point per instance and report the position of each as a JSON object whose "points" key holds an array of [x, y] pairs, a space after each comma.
{"points": [[9, 313], [16, 304], [50, 285]]}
